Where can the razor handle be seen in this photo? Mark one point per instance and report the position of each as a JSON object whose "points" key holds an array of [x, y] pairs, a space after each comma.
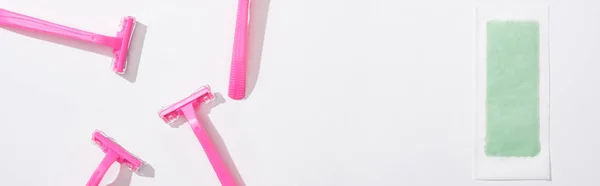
{"points": [[215, 158], [20, 21], [237, 77]]}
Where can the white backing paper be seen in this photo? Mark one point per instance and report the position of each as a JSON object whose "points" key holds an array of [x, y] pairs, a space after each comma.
{"points": [[511, 168]]}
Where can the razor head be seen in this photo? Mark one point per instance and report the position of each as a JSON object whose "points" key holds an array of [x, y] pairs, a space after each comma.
{"points": [[125, 34], [171, 113], [107, 144]]}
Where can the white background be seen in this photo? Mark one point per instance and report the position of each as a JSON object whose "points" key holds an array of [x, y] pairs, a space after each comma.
{"points": [[348, 93]]}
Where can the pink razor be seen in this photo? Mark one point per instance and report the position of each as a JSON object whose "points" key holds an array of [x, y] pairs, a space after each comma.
{"points": [[237, 76], [119, 44], [114, 152], [187, 107]]}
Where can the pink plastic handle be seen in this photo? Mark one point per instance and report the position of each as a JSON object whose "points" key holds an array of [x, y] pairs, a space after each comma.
{"points": [[99, 173], [237, 77], [222, 170], [16, 20]]}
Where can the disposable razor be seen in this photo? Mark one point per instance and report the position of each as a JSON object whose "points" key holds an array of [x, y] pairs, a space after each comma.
{"points": [[119, 43], [114, 152], [187, 108]]}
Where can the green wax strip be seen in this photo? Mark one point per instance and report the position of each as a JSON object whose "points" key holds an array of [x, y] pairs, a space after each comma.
{"points": [[512, 100]]}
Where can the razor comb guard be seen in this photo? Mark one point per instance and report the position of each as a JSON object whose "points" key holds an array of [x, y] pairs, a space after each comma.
{"points": [[202, 95], [120, 60], [119, 44]]}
